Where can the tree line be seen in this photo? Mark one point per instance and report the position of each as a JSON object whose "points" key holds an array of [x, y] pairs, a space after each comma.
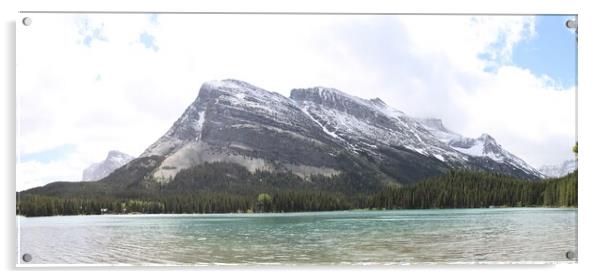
{"points": [[465, 189], [225, 187], [288, 201]]}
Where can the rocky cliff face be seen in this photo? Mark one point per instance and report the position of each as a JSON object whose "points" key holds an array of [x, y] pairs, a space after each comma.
{"points": [[370, 126], [318, 131], [233, 121], [366, 125]]}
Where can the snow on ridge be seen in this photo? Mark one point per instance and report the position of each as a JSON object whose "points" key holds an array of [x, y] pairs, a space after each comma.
{"points": [[405, 132], [439, 157], [241, 89], [474, 150], [242, 93], [227, 83], [375, 104], [483, 146], [559, 170]]}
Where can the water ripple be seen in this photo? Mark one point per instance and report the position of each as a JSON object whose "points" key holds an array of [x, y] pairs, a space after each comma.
{"points": [[353, 237]]}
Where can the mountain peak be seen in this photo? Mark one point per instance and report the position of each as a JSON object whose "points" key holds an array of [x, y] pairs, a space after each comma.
{"points": [[237, 90], [343, 102], [227, 84], [486, 137], [434, 123], [116, 153], [378, 102], [320, 93], [559, 170], [114, 160]]}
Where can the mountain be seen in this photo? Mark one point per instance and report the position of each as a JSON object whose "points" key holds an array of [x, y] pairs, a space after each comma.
{"points": [[485, 147], [233, 121], [100, 170], [324, 136], [553, 171], [371, 127], [317, 131]]}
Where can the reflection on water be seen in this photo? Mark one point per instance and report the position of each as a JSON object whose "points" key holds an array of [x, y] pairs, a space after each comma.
{"points": [[344, 237]]}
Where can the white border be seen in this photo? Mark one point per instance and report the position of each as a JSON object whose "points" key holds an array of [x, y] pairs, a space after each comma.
{"points": [[589, 131]]}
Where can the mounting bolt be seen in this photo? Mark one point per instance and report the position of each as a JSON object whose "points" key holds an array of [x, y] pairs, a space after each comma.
{"points": [[27, 258], [26, 21], [571, 24], [570, 255]]}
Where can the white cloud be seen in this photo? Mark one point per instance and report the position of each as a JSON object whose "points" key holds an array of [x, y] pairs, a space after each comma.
{"points": [[423, 65]]}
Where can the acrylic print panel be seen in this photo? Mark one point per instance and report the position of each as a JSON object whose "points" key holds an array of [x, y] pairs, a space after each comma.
{"points": [[295, 139]]}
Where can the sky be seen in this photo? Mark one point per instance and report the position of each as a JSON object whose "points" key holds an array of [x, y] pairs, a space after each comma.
{"points": [[91, 83]]}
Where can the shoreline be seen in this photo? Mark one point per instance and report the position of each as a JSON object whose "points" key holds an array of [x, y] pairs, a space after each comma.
{"points": [[296, 212]]}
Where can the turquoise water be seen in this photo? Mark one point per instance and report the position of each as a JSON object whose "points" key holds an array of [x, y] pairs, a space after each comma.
{"points": [[316, 238]]}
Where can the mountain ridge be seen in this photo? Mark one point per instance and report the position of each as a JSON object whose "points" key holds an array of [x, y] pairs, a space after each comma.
{"points": [[316, 132], [235, 121]]}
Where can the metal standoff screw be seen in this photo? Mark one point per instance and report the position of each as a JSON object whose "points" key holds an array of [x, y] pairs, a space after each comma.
{"points": [[571, 23], [27, 258], [26, 21], [570, 255]]}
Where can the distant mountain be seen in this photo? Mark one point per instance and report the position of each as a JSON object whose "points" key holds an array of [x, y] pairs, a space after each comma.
{"points": [[100, 170], [317, 132], [484, 146], [559, 170]]}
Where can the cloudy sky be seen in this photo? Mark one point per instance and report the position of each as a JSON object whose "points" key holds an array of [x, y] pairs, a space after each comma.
{"points": [[87, 84]]}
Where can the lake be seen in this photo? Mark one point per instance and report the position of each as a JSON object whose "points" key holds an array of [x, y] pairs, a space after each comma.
{"points": [[316, 238]]}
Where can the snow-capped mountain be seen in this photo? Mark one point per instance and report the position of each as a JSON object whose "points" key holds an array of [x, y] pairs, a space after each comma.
{"points": [[484, 146], [100, 170], [233, 121], [316, 131], [370, 125], [559, 170]]}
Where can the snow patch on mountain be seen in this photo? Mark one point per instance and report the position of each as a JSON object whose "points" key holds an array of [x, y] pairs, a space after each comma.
{"points": [[436, 128], [332, 134], [199, 123], [473, 150]]}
